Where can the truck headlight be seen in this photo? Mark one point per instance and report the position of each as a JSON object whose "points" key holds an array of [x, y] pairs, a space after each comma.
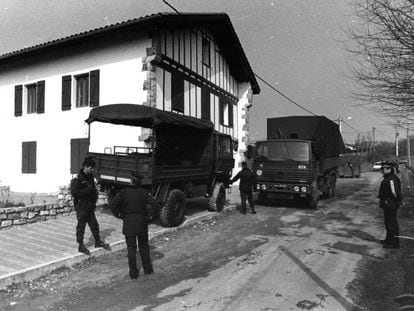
{"points": [[296, 188], [303, 189], [258, 187], [264, 187], [259, 172]]}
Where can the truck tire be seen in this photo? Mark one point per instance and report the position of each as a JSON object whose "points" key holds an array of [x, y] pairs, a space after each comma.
{"points": [[218, 198], [172, 212], [314, 199]]}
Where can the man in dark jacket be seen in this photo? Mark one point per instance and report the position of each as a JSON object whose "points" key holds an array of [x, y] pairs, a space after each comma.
{"points": [[390, 200], [85, 195], [246, 187], [130, 204]]}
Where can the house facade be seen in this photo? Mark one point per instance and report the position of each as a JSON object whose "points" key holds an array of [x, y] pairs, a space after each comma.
{"points": [[191, 64]]}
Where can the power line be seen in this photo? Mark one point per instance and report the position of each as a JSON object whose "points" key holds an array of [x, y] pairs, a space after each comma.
{"points": [[172, 7], [283, 95]]}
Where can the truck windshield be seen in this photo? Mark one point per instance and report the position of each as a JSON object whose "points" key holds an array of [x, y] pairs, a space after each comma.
{"points": [[283, 151]]}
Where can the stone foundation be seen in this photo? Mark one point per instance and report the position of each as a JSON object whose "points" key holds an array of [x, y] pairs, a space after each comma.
{"points": [[17, 216]]}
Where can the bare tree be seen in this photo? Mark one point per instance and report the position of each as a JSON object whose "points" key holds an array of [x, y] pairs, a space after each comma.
{"points": [[382, 48]]}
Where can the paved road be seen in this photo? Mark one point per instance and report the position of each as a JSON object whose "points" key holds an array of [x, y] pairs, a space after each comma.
{"points": [[283, 258]]}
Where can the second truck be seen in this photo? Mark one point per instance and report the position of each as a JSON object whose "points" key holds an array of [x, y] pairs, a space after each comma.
{"points": [[299, 160]]}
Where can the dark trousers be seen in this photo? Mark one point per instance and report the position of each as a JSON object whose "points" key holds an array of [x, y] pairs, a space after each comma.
{"points": [[86, 217], [391, 223], [249, 196], [144, 250]]}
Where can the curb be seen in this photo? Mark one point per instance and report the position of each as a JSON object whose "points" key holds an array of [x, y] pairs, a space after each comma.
{"points": [[29, 274]]}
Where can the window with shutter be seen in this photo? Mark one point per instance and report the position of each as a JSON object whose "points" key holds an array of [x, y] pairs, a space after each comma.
{"points": [[66, 92], [78, 151], [31, 98], [205, 103], [18, 99], [40, 99], [94, 88], [224, 112], [29, 157], [231, 114], [82, 90], [177, 93]]}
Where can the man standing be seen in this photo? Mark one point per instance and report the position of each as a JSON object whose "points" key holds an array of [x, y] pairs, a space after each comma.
{"points": [[390, 200], [130, 204], [246, 187], [85, 195]]}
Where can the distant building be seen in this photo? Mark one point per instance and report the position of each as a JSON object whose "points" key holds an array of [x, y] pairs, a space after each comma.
{"points": [[191, 64]]}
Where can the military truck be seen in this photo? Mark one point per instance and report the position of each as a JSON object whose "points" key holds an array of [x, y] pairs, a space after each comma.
{"points": [[183, 157], [299, 160]]}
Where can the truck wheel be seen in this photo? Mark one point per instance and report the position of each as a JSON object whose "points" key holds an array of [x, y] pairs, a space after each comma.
{"points": [[313, 201], [218, 198], [172, 212]]}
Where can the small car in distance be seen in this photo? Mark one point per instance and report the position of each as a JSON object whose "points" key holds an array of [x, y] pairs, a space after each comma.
{"points": [[377, 166]]}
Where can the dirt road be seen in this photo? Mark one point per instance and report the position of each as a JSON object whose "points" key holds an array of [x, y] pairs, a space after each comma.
{"points": [[282, 258]]}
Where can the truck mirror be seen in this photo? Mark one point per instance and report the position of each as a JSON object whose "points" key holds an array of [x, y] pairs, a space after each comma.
{"points": [[235, 145]]}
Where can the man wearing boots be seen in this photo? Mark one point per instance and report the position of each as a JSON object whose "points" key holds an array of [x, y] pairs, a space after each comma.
{"points": [[130, 204], [85, 195], [390, 200], [246, 187]]}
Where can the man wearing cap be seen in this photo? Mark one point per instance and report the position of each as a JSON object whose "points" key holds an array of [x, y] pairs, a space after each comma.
{"points": [[130, 204], [85, 195], [246, 187], [390, 200]]}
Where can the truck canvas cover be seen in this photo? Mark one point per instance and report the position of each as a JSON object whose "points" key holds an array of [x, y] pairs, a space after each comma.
{"points": [[319, 129], [144, 116]]}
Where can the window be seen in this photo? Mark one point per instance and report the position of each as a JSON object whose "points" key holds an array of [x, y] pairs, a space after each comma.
{"points": [[225, 145], [177, 93], [205, 103], [31, 98], [206, 51], [78, 151], [34, 97], [29, 157], [82, 90], [87, 89], [226, 112]]}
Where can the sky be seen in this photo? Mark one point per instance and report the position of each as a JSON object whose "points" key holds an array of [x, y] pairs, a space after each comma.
{"points": [[297, 46]]}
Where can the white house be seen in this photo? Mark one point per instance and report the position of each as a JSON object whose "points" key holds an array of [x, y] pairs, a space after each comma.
{"points": [[192, 64]]}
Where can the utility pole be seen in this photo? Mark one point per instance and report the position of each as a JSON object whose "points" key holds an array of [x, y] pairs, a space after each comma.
{"points": [[373, 136], [396, 141], [408, 146]]}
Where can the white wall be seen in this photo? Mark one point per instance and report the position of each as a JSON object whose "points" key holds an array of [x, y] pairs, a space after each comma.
{"points": [[121, 81]]}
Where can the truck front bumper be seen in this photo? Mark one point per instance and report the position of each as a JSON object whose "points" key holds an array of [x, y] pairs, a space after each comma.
{"points": [[280, 190]]}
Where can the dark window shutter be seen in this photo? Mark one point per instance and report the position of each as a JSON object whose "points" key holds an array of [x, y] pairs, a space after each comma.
{"points": [[221, 111], [78, 151], [18, 93], [40, 97], [94, 88], [32, 157], [25, 158], [230, 115], [205, 103], [177, 93], [29, 157], [66, 92]]}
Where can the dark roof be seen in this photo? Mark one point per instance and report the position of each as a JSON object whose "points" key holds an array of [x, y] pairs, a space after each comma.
{"points": [[219, 24], [144, 116]]}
